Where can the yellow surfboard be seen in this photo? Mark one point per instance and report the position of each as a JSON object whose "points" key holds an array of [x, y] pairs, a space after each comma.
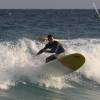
{"points": [[65, 64], [72, 61]]}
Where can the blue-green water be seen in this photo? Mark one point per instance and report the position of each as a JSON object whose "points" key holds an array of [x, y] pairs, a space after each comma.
{"points": [[20, 74]]}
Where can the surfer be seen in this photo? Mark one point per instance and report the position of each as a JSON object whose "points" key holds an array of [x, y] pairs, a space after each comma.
{"points": [[52, 47]]}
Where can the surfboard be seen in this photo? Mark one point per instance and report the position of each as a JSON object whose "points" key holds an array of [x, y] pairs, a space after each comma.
{"points": [[72, 61], [63, 65]]}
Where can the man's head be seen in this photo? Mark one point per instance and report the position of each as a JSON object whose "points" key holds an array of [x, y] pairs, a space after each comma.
{"points": [[50, 38]]}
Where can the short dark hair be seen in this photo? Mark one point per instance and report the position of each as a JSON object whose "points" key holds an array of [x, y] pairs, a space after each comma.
{"points": [[50, 36]]}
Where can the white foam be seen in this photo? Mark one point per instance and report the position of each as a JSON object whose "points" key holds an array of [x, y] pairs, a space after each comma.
{"points": [[18, 61]]}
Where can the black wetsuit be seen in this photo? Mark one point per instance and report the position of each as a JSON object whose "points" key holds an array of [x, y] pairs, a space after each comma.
{"points": [[54, 47]]}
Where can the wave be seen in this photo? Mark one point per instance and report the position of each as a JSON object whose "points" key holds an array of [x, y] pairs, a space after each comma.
{"points": [[18, 63]]}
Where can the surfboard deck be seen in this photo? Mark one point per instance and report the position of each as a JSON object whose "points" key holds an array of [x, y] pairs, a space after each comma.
{"points": [[72, 61], [63, 65]]}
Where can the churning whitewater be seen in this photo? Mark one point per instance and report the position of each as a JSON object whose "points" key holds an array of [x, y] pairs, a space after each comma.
{"points": [[18, 63]]}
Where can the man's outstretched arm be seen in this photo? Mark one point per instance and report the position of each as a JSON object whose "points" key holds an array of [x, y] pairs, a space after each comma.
{"points": [[41, 51]]}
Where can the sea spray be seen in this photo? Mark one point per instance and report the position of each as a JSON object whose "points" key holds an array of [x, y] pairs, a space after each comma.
{"points": [[18, 61]]}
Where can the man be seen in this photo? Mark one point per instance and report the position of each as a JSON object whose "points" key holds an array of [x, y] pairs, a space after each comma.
{"points": [[52, 47]]}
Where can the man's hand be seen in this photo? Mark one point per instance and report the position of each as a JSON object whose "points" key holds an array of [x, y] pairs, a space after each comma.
{"points": [[41, 51]]}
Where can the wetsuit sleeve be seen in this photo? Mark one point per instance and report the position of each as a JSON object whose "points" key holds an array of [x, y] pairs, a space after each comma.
{"points": [[46, 46], [42, 50]]}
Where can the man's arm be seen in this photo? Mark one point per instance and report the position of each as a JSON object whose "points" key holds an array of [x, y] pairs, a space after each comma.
{"points": [[41, 51]]}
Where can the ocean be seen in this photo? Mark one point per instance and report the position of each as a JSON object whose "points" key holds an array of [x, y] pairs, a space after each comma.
{"points": [[20, 74]]}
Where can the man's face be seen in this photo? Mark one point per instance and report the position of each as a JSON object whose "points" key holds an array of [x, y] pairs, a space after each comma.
{"points": [[50, 39]]}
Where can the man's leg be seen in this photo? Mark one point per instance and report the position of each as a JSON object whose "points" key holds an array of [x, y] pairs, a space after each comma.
{"points": [[50, 58]]}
